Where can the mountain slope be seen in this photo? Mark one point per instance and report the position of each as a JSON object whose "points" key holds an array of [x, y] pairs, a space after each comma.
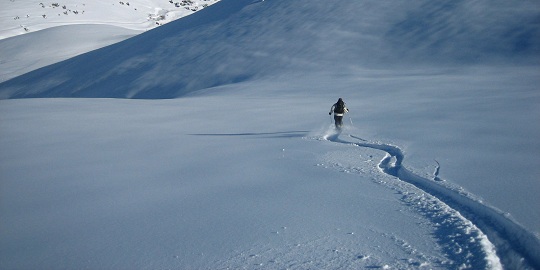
{"points": [[22, 17], [34, 34], [236, 40], [435, 168]]}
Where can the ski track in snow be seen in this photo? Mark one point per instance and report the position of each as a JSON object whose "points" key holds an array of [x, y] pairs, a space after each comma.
{"points": [[473, 235]]}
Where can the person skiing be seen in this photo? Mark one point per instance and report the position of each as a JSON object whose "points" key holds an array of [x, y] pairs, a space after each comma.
{"points": [[339, 109]]}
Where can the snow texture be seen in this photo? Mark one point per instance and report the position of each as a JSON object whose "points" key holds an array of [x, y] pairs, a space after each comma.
{"points": [[205, 143], [55, 31]]}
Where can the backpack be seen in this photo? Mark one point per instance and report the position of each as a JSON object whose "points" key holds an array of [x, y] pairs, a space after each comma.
{"points": [[340, 107]]}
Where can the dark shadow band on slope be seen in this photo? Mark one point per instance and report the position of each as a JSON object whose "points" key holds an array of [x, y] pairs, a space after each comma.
{"points": [[279, 134], [517, 247]]}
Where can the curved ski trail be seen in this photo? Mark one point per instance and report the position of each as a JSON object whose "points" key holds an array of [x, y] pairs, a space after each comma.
{"points": [[503, 242]]}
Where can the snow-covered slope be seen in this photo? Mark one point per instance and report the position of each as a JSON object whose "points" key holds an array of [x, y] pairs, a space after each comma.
{"points": [[24, 53], [19, 17], [193, 183], [253, 39], [436, 168], [34, 34]]}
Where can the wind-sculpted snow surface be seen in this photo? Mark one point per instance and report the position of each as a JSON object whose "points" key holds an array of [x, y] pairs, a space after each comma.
{"points": [[464, 221], [468, 31]]}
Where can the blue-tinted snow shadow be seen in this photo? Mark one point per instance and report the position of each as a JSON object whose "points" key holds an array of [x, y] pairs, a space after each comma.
{"points": [[278, 134], [516, 246]]}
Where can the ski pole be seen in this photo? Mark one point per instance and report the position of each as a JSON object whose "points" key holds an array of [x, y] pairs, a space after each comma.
{"points": [[350, 119]]}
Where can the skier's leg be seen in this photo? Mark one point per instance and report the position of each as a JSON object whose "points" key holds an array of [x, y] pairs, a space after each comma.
{"points": [[339, 121]]}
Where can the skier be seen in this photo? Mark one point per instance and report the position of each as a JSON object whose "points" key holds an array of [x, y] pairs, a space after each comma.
{"points": [[339, 110]]}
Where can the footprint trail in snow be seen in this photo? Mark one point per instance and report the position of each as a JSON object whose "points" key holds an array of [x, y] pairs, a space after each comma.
{"points": [[471, 233]]}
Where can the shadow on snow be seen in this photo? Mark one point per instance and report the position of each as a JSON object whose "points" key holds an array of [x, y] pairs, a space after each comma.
{"points": [[516, 247], [279, 134]]}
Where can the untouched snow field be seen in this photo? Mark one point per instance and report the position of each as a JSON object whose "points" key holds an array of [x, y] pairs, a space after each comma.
{"points": [[436, 168], [22, 54], [36, 33], [26, 16]]}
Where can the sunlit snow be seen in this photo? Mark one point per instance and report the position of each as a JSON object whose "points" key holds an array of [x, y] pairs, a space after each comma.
{"points": [[205, 143]]}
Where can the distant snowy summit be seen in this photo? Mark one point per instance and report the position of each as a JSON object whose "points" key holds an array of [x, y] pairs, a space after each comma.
{"points": [[18, 17]]}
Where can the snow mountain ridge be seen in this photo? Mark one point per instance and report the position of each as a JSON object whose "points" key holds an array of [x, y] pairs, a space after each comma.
{"points": [[34, 34], [22, 17], [252, 39]]}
